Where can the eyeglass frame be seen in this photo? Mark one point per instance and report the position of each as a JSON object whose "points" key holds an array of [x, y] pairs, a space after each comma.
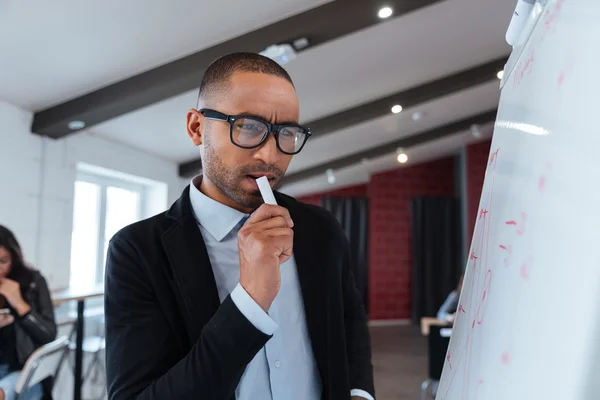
{"points": [[275, 129]]}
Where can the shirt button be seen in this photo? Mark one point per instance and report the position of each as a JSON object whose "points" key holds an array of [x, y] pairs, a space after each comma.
{"points": [[277, 364]]}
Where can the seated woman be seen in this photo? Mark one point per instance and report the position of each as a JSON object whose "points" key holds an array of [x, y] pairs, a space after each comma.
{"points": [[27, 320], [447, 311]]}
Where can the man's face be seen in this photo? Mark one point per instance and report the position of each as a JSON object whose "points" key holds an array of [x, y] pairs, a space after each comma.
{"points": [[232, 169]]}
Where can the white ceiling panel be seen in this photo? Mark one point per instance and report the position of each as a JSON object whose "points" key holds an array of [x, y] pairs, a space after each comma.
{"points": [[59, 50], [392, 127], [360, 173], [419, 47], [158, 129]]}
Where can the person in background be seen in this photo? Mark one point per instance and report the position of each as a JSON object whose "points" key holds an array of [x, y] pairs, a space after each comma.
{"points": [[224, 297], [447, 311], [27, 321]]}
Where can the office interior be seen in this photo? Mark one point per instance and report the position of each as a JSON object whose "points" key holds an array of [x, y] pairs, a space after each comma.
{"points": [[401, 95]]}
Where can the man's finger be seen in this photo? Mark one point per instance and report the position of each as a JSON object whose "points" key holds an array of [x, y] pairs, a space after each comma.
{"points": [[267, 211], [271, 223], [277, 232]]}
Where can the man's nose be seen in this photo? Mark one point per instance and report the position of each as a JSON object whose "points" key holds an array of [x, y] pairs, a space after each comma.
{"points": [[268, 151]]}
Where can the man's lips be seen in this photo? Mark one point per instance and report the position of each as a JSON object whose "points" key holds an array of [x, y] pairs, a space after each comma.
{"points": [[268, 175]]}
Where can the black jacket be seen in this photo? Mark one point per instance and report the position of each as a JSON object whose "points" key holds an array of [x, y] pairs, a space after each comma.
{"points": [[169, 337], [37, 327]]}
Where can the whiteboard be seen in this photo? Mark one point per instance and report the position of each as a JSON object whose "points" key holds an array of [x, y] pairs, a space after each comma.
{"points": [[528, 324]]}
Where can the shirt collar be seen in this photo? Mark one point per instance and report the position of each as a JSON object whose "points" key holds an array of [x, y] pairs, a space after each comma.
{"points": [[218, 219]]}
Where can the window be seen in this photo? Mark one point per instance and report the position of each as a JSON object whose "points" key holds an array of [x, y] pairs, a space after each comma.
{"points": [[102, 206]]}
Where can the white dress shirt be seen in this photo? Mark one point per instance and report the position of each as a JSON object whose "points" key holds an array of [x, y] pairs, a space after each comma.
{"points": [[285, 368]]}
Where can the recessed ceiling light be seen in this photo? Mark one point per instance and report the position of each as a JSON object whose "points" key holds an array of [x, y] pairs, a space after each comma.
{"points": [[500, 74], [397, 109], [402, 157], [475, 131], [301, 43], [330, 176], [75, 125], [385, 12], [417, 116]]}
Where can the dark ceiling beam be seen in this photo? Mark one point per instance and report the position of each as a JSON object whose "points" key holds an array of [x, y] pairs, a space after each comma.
{"points": [[384, 149], [378, 108], [319, 25]]}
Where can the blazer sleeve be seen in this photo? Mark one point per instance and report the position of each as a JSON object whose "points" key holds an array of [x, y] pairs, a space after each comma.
{"points": [[358, 341], [141, 353], [39, 323]]}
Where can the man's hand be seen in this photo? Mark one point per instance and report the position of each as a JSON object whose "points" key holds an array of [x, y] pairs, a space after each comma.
{"points": [[265, 242]]}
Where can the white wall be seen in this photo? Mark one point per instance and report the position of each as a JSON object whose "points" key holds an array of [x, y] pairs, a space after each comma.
{"points": [[36, 186]]}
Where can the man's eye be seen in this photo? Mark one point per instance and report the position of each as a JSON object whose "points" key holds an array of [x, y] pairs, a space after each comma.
{"points": [[251, 127], [291, 132]]}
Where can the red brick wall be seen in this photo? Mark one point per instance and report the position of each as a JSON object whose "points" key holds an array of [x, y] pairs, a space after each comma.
{"points": [[351, 191], [477, 155], [390, 259]]}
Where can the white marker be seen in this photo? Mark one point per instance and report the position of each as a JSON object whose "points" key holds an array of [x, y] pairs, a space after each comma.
{"points": [[265, 190], [518, 20]]}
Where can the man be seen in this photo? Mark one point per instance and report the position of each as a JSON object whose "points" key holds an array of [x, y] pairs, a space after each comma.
{"points": [[222, 296]]}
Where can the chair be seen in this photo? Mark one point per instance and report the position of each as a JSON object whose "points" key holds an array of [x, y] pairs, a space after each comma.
{"points": [[68, 322], [438, 341], [93, 346], [41, 365]]}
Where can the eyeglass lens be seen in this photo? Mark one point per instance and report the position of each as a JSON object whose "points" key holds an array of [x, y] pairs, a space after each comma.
{"points": [[248, 132]]}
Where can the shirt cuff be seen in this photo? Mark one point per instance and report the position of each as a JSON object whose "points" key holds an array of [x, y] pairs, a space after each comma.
{"points": [[252, 311], [361, 393]]}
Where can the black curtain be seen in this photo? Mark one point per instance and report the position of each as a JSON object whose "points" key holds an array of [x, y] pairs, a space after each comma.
{"points": [[436, 251], [353, 214]]}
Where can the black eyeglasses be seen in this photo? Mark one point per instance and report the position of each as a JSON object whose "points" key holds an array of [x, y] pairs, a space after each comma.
{"points": [[251, 132]]}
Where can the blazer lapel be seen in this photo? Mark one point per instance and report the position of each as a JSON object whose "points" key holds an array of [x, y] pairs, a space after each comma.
{"points": [[193, 273], [312, 275]]}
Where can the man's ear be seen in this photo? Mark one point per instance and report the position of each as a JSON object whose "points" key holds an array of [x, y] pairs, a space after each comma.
{"points": [[194, 125]]}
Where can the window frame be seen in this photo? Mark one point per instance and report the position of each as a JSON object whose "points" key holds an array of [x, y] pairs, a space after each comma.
{"points": [[103, 183]]}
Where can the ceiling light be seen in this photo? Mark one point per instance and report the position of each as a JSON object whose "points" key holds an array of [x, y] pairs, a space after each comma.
{"points": [[402, 156], [385, 12], [280, 53], [75, 125], [301, 43], [397, 108], [417, 116], [330, 176], [500, 74], [476, 131]]}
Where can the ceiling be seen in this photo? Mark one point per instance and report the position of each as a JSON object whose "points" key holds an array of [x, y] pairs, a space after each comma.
{"points": [[359, 173], [80, 46], [93, 45]]}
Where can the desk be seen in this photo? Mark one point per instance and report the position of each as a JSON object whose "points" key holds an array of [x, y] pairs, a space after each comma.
{"points": [[79, 295], [426, 322]]}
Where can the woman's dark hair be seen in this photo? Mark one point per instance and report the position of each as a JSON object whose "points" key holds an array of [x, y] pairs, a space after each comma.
{"points": [[19, 270]]}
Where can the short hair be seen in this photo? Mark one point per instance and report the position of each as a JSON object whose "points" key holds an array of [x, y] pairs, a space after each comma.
{"points": [[218, 73]]}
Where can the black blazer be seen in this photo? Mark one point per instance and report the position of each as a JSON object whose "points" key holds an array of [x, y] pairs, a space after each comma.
{"points": [[169, 337]]}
